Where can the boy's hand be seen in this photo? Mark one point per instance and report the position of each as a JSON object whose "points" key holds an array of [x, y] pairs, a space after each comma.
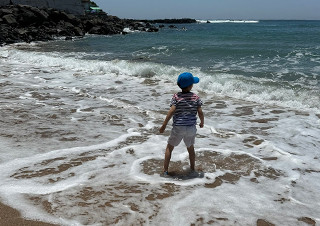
{"points": [[169, 115], [201, 116], [162, 128]]}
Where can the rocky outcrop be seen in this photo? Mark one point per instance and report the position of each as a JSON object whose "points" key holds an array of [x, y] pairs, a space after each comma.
{"points": [[21, 23], [70, 6], [26, 23], [171, 21]]}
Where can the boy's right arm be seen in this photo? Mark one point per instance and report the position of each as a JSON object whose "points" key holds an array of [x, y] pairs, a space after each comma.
{"points": [[201, 116], [169, 116]]}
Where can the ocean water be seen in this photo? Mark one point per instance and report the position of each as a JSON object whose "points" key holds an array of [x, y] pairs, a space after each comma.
{"points": [[79, 140]]}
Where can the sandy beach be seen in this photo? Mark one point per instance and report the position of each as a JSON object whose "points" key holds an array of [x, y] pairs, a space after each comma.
{"points": [[80, 141], [11, 217]]}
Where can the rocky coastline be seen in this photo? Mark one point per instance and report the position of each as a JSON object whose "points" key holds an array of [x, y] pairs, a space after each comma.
{"points": [[23, 23], [171, 21]]}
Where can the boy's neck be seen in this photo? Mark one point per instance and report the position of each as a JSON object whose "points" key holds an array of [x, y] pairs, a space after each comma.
{"points": [[187, 89]]}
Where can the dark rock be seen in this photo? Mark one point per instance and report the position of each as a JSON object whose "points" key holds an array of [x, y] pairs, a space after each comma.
{"points": [[96, 30], [26, 17], [21, 31], [261, 222], [41, 14], [5, 12], [78, 31], [171, 21], [153, 29], [2, 40], [22, 23], [55, 16], [70, 18], [64, 32], [68, 25], [104, 30], [10, 19]]}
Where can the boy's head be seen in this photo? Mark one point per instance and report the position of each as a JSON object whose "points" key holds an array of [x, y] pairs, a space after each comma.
{"points": [[186, 79]]}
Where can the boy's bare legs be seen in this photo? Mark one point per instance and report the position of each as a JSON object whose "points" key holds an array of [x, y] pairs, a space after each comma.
{"points": [[167, 157], [192, 156]]}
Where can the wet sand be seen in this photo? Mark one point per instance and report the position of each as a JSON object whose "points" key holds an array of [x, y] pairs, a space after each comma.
{"points": [[251, 147], [11, 217]]}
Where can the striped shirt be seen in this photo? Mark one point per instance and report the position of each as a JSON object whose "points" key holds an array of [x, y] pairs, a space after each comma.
{"points": [[186, 108]]}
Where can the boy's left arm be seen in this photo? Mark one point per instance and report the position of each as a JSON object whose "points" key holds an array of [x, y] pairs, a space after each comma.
{"points": [[201, 116]]}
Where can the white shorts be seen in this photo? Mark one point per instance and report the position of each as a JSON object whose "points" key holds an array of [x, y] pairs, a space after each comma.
{"points": [[187, 133]]}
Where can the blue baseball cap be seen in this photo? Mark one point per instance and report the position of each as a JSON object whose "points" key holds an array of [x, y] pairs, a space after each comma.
{"points": [[186, 79]]}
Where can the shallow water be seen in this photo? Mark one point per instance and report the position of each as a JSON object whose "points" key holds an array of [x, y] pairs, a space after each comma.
{"points": [[80, 146]]}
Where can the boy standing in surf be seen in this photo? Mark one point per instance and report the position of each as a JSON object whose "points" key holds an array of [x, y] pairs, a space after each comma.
{"points": [[184, 108]]}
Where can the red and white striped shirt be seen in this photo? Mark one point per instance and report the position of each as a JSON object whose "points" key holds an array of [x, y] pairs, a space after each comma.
{"points": [[186, 108]]}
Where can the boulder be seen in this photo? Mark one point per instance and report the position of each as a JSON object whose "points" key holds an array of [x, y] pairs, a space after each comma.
{"points": [[26, 17], [64, 32], [41, 14], [10, 19], [55, 16], [72, 30], [153, 29], [21, 31], [78, 31], [5, 12], [68, 25], [2, 40], [11, 36], [97, 30]]}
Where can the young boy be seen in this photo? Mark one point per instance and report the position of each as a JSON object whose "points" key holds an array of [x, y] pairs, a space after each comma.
{"points": [[184, 108]]}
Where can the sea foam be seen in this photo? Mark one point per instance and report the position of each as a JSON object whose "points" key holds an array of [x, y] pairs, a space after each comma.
{"points": [[90, 153], [227, 21], [259, 90]]}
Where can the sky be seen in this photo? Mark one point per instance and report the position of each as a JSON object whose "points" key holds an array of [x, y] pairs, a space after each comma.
{"points": [[213, 9]]}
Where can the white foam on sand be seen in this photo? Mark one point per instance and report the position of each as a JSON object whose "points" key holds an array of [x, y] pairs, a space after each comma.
{"points": [[266, 156], [224, 84], [13, 190], [191, 201]]}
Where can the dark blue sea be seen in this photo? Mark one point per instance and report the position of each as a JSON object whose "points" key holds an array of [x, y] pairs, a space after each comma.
{"points": [[265, 61], [79, 140]]}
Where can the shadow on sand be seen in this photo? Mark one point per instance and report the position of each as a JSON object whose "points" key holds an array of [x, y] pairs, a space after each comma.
{"points": [[184, 175]]}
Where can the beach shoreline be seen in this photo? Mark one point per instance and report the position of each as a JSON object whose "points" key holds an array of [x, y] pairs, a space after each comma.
{"points": [[11, 217], [80, 142]]}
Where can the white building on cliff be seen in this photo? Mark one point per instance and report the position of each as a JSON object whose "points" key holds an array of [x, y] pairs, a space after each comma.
{"points": [[72, 6]]}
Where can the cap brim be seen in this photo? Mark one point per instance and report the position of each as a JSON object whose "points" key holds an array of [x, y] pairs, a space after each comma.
{"points": [[196, 79]]}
